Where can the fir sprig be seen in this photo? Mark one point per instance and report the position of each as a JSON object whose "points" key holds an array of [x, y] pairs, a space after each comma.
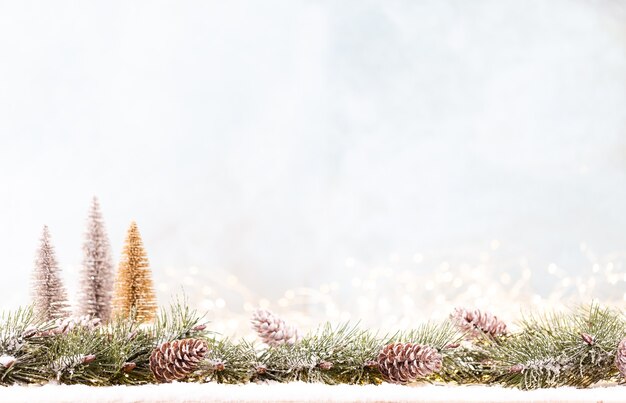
{"points": [[576, 348], [78, 357], [129, 348], [342, 354], [23, 350], [178, 322], [227, 362]]}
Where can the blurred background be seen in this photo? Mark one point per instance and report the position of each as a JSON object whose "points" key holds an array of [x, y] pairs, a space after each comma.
{"points": [[374, 160]]}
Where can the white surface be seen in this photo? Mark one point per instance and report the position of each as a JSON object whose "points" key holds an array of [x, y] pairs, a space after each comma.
{"points": [[300, 392]]}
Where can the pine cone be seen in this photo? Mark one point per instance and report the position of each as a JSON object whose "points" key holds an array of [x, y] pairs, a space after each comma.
{"points": [[405, 362], [588, 339], [325, 365], [620, 358], [216, 365], [477, 323], [174, 361], [66, 325], [272, 329], [29, 332], [128, 367], [7, 361]]}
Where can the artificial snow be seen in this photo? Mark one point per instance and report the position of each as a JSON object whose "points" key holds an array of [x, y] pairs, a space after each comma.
{"points": [[303, 392]]}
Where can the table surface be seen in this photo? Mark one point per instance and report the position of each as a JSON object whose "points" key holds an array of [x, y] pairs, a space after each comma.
{"points": [[302, 392]]}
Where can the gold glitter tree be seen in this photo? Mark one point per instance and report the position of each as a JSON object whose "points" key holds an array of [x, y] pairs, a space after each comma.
{"points": [[134, 291]]}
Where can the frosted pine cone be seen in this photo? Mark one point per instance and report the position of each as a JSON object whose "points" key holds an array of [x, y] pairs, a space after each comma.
{"points": [[174, 361], [620, 358], [128, 367], [272, 329], [405, 362], [588, 339], [216, 365], [66, 325], [477, 323], [7, 361], [325, 365]]}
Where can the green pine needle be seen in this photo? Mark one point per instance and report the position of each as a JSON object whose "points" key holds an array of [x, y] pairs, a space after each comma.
{"points": [[574, 348]]}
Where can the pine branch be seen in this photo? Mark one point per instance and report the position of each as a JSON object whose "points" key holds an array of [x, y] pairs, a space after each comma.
{"points": [[464, 364], [128, 351], [344, 354], [574, 349], [22, 349], [227, 362], [437, 335], [347, 354], [178, 322]]}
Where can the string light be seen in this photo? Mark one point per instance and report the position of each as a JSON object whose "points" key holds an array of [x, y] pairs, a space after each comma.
{"points": [[407, 290]]}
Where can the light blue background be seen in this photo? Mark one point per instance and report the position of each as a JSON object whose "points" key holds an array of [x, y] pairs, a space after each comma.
{"points": [[274, 140]]}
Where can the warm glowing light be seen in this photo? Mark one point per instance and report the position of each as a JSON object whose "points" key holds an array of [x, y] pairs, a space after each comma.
{"points": [[400, 294], [552, 268], [232, 280]]}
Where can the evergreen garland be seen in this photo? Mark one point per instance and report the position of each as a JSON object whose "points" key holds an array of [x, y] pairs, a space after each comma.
{"points": [[578, 349]]}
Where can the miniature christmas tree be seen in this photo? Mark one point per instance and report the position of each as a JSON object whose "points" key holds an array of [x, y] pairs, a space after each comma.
{"points": [[50, 298], [134, 292], [96, 290]]}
